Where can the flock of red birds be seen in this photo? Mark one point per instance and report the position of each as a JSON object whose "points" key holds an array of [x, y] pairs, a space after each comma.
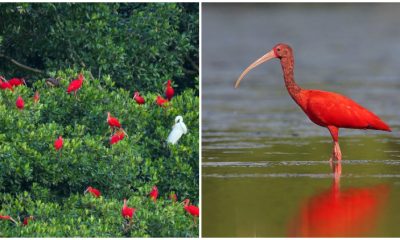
{"points": [[117, 135]]}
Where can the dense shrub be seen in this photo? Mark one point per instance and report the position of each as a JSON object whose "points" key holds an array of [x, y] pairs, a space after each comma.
{"points": [[128, 169], [86, 216], [140, 44]]}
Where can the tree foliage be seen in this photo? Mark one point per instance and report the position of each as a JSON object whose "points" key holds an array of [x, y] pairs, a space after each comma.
{"points": [[140, 45]]}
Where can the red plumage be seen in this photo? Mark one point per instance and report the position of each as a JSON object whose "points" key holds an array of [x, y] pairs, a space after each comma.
{"points": [[126, 211], [161, 101], [76, 84], [191, 209], [95, 192], [327, 109], [139, 99], [58, 144], [20, 103], [169, 92], [5, 85], [154, 193], [16, 81], [332, 109], [118, 136], [112, 121]]}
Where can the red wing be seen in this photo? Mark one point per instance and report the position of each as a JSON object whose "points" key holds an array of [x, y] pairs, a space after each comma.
{"points": [[327, 108]]}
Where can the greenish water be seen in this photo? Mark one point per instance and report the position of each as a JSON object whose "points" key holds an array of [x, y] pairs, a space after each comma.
{"points": [[259, 192], [265, 170]]}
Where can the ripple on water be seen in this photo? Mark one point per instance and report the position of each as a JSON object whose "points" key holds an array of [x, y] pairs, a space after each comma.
{"points": [[296, 175], [297, 163]]}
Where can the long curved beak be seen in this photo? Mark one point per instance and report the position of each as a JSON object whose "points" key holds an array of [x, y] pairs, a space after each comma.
{"points": [[270, 55]]}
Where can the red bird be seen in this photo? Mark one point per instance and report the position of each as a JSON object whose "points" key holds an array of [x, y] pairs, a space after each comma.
{"points": [[139, 99], [161, 101], [169, 91], [95, 192], [20, 103], [8, 218], [16, 82], [26, 220], [326, 109], [76, 84], [112, 121], [58, 144], [154, 193], [127, 212], [118, 136], [36, 97], [5, 85], [191, 209]]}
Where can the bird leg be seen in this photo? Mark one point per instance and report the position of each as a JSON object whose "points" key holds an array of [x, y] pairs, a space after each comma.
{"points": [[336, 153]]}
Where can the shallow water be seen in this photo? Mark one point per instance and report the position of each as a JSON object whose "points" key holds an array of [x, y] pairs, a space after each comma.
{"points": [[265, 165]]}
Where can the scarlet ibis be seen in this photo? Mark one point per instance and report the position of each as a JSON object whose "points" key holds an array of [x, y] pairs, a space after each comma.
{"points": [[139, 99], [112, 121], [169, 91], [95, 192], [76, 84], [26, 220], [161, 101], [5, 85], [20, 103], [352, 212], [118, 136], [191, 209], [58, 143], [8, 218], [16, 81], [178, 130], [126, 211], [154, 193], [326, 109], [36, 97]]}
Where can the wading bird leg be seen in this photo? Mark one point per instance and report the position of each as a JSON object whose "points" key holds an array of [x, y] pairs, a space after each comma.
{"points": [[336, 153]]}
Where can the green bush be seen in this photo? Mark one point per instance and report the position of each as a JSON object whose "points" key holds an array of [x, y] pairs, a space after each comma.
{"points": [[140, 44], [128, 169], [86, 216]]}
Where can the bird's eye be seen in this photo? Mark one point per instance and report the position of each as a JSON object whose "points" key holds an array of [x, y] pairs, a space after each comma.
{"points": [[278, 49]]}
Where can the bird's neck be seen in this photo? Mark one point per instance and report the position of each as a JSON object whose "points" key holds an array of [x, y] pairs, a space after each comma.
{"points": [[294, 90]]}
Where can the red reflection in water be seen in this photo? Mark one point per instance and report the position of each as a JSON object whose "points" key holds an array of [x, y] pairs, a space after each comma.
{"points": [[340, 213]]}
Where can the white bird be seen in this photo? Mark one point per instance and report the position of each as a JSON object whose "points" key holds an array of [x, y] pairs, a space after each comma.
{"points": [[178, 129]]}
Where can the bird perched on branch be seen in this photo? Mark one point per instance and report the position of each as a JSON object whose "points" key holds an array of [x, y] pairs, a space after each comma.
{"points": [[95, 192], [139, 99], [16, 82], [154, 193], [4, 84], [53, 82], [178, 130], [127, 212], [20, 103], [169, 91], [76, 84]]}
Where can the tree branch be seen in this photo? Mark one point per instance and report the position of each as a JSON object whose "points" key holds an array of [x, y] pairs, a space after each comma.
{"points": [[194, 65], [20, 64]]}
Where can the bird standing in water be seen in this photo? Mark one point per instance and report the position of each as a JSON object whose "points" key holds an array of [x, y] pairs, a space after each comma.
{"points": [[326, 109]]}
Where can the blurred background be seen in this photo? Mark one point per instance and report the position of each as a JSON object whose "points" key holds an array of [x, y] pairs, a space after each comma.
{"points": [[265, 164]]}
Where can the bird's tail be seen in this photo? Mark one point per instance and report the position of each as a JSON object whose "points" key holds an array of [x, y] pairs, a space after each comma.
{"points": [[378, 124]]}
